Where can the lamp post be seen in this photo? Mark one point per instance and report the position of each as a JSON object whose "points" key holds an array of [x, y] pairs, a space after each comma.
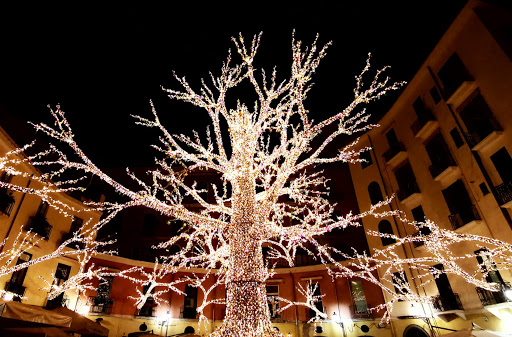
{"points": [[337, 318], [164, 319]]}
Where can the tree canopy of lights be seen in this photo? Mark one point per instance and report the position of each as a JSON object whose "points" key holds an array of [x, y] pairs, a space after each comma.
{"points": [[272, 194]]}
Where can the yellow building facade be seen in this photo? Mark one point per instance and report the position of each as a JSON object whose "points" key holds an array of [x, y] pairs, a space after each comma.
{"points": [[20, 213], [444, 150]]}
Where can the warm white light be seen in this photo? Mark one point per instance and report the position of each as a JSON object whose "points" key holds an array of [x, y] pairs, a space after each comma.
{"points": [[8, 297], [508, 294], [84, 310]]}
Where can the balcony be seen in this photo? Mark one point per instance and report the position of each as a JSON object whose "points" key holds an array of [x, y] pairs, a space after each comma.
{"points": [[423, 127], [465, 89], [74, 244], [444, 304], [6, 201], [504, 194], [479, 141], [457, 220], [409, 195], [37, 224], [395, 155], [15, 288], [436, 169], [488, 297], [101, 305], [418, 244]]}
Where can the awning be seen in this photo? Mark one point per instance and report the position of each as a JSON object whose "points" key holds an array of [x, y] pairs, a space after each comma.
{"points": [[20, 315], [82, 325]]}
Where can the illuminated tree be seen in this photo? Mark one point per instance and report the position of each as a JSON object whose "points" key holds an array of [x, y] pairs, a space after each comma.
{"points": [[271, 192]]}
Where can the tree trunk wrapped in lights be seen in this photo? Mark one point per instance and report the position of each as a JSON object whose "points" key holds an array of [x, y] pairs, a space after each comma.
{"points": [[265, 156]]}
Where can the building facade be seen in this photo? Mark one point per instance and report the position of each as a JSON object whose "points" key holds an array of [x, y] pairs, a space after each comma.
{"points": [[443, 150]]}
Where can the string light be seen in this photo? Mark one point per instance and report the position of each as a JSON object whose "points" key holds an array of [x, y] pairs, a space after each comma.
{"points": [[271, 194]]}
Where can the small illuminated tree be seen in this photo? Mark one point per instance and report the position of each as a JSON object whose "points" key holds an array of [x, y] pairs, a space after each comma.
{"points": [[271, 194]]}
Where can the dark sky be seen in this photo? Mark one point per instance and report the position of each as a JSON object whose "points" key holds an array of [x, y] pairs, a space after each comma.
{"points": [[103, 63]]}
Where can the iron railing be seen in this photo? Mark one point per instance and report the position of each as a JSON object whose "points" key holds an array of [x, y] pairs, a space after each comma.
{"points": [[15, 288], [474, 137], [457, 221], [442, 303], [39, 225], [504, 192], [101, 305]]}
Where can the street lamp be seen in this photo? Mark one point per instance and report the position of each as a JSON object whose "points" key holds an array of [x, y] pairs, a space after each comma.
{"points": [[164, 319], [337, 318]]}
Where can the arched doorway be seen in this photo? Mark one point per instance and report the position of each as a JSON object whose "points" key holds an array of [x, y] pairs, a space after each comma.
{"points": [[414, 330]]}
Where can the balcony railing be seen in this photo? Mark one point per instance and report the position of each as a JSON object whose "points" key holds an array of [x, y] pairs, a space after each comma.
{"points": [[488, 297], [504, 192], [457, 221], [37, 224], [57, 302], [393, 151], [417, 244], [411, 188], [438, 168], [101, 305], [73, 244], [474, 138], [6, 201], [443, 304], [15, 288], [188, 312], [360, 310]]}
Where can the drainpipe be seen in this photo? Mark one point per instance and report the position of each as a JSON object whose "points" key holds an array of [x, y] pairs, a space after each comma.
{"points": [[296, 309]]}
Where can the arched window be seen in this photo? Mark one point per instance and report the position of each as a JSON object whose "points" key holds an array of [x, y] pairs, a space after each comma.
{"points": [[189, 329], [385, 228], [375, 192]]}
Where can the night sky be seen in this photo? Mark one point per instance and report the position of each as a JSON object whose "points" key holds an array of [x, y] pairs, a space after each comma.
{"points": [[103, 63]]}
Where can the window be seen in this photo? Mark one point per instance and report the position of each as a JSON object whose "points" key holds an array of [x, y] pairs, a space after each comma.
{"points": [[484, 189], [102, 303], [367, 157], [453, 74], [314, 287], [190, 304], [435, 95], [386, 228], [457, 139], [43, 209], [375, 192], [461, 207], [439, 154], [400, 283], [15, 285], [61, 275], [272, 299], [147, 308], [358, 297], [419, 216], [488, 267], [503, 163], [479, 120], [6, 199], [422, 112], [19, 276], [406, 181]]}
